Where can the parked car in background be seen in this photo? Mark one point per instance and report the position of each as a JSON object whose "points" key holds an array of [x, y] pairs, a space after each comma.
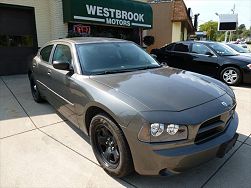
{"points": [[209, 58], [139, 115], [239, 49]]}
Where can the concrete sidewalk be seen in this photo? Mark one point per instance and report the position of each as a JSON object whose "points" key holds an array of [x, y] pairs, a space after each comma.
{"points": [[38, 148]]}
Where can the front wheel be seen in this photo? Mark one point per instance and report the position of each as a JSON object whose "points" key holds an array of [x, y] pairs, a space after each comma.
{"points": [[231, 76], [110, 147], [34, 90]]}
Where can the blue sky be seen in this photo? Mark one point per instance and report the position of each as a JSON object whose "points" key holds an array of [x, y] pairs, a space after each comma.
{"points": [[208, 8]]}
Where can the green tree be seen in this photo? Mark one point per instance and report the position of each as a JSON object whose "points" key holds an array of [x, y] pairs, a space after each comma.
{"points": [[211, 27]]}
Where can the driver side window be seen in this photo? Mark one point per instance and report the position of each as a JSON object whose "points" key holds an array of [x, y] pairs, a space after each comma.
{"points": [[62, 53]]}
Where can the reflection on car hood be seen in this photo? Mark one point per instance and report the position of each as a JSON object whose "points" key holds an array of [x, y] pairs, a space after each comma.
{"points": [[163, 88], [246, 54]]}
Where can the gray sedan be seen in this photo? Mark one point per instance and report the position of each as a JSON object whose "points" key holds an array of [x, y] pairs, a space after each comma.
{"points": [[139, 115]]}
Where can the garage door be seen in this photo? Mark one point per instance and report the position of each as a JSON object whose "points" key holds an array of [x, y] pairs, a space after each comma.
{"points": [[18, 38]]}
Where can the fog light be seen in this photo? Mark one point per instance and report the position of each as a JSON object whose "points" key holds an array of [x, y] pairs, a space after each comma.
{"points": [[172, 129], [249, 66], [157, 129]]}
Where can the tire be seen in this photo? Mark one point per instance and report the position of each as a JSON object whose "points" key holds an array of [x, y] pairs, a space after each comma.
{"points": [[34, 90], [231, 76], [110, 146]]}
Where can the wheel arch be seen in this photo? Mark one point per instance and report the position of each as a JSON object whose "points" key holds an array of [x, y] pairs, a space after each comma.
{"points": [[229, 65], [95, 108]]}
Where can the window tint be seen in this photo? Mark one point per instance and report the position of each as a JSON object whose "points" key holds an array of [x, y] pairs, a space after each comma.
{"points": [[169, 47], [222, 49], [200, 49], [113, 57], [62, 53], [179, 47], [45, 53]]}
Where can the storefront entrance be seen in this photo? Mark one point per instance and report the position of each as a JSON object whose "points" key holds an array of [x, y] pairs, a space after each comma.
{"points": [[18, 39], [123, 19]]}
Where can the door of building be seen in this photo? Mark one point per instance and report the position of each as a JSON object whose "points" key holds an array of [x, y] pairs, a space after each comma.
{"points": [[18, 38]]}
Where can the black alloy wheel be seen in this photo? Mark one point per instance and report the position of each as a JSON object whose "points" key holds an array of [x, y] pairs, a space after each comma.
{"points": [[107, 146], [110, 146]]}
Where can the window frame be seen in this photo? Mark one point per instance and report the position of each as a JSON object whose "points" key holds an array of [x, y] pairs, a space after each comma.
{"points": [[54, 51], [187, 44], [210, 50], [41, 57], [172, 46]]}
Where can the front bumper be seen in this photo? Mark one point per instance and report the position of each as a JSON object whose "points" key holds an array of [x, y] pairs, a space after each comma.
{"points": [[156, 159]]}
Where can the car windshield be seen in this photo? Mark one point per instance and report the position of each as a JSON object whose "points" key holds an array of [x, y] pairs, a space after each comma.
{"points": [[113, 57], [222, 50], [238, 48]]}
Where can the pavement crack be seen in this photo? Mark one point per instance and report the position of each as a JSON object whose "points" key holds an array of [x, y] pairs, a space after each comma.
{"points": [[40, 129], [18, 133]]}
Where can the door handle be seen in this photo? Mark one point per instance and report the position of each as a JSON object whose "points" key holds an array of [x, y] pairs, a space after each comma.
{"points": [[49, 72]]}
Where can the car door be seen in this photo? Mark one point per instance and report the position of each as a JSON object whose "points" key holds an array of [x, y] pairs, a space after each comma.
{"points": [[164, 55], [43, 69], [180, 56], [61, 83], [204, 60]]}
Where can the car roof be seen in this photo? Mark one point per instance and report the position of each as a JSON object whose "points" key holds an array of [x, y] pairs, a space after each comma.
{"points": [[196, 41], [83, 40]]}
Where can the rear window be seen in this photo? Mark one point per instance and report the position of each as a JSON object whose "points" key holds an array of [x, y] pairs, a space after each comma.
{"points": [[169, 47], [179, 47]]}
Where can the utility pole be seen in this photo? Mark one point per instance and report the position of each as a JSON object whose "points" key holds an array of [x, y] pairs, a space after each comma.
{"points": [[230, 33]]}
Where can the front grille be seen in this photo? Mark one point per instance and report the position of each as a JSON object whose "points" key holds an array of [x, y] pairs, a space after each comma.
{"points": [[213, 127]]}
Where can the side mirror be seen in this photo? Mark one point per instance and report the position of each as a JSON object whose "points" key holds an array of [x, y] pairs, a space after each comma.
{"points": [[209, 54], [61, 65]]}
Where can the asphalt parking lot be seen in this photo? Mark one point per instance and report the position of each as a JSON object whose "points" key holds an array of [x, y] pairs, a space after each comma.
{"points": [[38, 148]]}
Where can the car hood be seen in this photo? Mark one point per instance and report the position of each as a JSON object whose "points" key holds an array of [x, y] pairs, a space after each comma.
{"points": [[246, 54], [163, 88]]}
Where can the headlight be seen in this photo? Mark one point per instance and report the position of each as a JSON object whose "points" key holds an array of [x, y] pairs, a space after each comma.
{"points": [[249, 66], [157, 129], [158, 132]]}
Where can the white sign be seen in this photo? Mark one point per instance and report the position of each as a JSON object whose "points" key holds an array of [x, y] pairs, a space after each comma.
{"points": [[228, 22]]}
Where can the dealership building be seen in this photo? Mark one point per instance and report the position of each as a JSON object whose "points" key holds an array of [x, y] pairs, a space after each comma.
{"points": [[25, 25]]}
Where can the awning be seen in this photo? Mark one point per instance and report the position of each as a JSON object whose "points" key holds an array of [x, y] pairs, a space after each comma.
{"points": [[124, 13]]}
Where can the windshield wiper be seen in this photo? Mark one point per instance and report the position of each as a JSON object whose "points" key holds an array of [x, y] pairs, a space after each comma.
{"points": [[230, 55], [125, 70], [111, 71]]}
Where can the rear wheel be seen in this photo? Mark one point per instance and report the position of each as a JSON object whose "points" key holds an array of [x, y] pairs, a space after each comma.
{"points": [[34, 90], [231, 76], [110, 147]]}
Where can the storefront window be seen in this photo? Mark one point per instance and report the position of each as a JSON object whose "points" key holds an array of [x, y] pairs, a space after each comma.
{"points": [[131, 34], [16, 41]]}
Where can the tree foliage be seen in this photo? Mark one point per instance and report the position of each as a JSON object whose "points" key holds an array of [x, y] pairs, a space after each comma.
{"points": [[211, 28]]}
